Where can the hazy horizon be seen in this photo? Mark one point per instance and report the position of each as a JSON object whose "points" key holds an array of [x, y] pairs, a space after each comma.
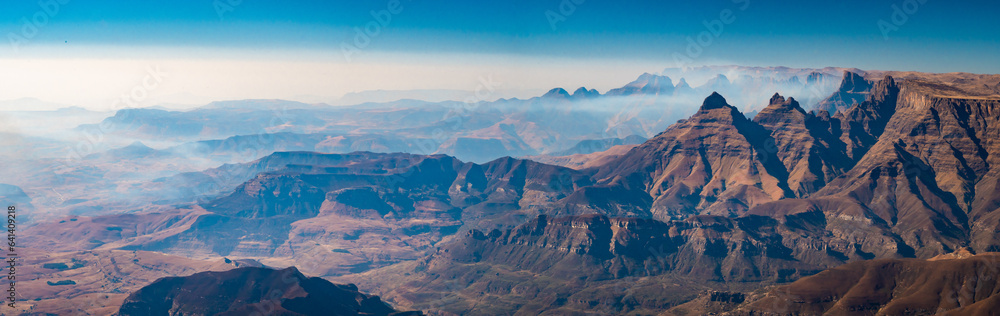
{"points": [[88, 52]]}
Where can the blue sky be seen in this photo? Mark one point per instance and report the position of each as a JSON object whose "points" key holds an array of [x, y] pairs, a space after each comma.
{"points": [[939, 36]]}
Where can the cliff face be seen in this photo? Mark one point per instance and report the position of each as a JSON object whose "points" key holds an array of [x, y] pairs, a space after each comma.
{"points": [[908, 172], [752, 248], [807, 144], [854, 89], [929, 169], [622, 265], [907, 162], [864, 123], [715, 162]]}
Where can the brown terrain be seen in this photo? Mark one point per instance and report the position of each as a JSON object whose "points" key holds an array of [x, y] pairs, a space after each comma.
{"points": [[329, 214], [963, 286], [96, 282], [701, 217], [907, 173]]}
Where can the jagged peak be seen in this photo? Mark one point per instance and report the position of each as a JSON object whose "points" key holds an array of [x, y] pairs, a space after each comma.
{"points": [[780, 102], [684, 84], [777, 99], [854, 82], [888, 81]]}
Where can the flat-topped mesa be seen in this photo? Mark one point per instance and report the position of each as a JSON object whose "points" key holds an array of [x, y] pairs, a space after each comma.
{"points": [[647, 84]]}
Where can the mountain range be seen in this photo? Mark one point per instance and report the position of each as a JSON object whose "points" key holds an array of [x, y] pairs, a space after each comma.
{"points": [[718, 212]]}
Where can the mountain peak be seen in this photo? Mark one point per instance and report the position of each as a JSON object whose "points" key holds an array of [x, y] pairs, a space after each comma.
{"points": [[777, 99], [854, 82], [557, 92], [137, 145], [714, 101], [583, 92], [780, 102], [721, 79], [683, 84]]}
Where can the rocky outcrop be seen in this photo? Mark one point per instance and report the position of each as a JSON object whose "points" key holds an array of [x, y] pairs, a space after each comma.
{"points": [[854, 89], [864, 123], [804, 142], [246, 291]]}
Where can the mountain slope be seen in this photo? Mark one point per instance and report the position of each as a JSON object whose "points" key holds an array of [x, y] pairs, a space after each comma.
{"points": [[340, 213], [593, 263], [805, 143], [890, 287], [711, 163]]}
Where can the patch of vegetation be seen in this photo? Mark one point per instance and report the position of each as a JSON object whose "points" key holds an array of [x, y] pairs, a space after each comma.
{"points": [[63, 282], [56, 266]]}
